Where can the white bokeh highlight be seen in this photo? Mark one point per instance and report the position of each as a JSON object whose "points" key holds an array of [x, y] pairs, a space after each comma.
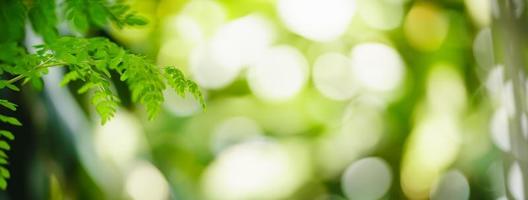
{"points": [[495, 82], [453, 185], [480, 11], [381, 14], [207, 71], [367, 179], [499, 129], [253, 170], [279, 74], [332, 76], [119, 140], [240, 42], [233, 47], [319, 20], [377, 66], [145, 182], [515, 181]]}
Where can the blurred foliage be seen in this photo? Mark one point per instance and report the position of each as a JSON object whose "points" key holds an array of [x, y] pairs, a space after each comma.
{"points": [[304, 99]]}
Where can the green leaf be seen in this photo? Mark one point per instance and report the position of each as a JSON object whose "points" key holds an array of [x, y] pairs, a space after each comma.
{"points": [[69, 77], [12, 21], [3, 154], [119, 9], [91, 60], [8, 104], [176, 80], [13, 87], [135, 20], [86, 87], [4, 84], [43, 19], [195, 90], [80, 22], [10, 120], [4, 145], [3, 183], [37, 83], [98, 13], [7, 134], [3, 161], [77, 14], [181, 85], [11, 52], [4, 172]]}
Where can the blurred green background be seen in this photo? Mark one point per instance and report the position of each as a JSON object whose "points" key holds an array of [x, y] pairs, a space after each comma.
{"points": [[306, 99]]}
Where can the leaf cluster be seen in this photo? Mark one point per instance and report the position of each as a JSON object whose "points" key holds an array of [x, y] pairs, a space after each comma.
{"points": [[45, 15], [6, 135], [89, 61]]}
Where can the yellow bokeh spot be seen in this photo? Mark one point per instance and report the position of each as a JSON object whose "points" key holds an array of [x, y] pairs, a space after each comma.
{"points": [[426, 27]]}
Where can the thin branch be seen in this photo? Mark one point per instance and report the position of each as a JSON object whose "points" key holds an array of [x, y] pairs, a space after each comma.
{"points": [[44, 65]]}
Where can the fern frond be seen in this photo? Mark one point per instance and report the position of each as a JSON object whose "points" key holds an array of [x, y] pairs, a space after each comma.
{"points": [[181, 85], [4, 172], [88, 60], [144, 80], [4, 145], [10, 120], [83, 13], [91, 60], [43, 19], [7, 104]]}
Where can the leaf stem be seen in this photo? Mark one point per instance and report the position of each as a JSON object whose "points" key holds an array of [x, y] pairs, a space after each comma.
{"points": [[43, 65]]}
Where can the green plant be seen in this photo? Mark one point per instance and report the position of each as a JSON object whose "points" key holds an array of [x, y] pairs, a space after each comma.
{"points": [[88, 60]]}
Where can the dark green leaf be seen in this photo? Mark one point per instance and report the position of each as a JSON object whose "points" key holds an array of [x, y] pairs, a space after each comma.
{"points": [[135, 20], [8, 104], [37, 83], [3, 183], [98, 13], [43, 18], [10, 120], [3, 154], [4, 145], [4, 172], [7, 134], [12, 20]]}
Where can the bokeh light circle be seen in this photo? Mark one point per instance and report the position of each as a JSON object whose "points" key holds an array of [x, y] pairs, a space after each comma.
{"points": [[480, 11], [119, 140], [453, 185], [317, 19], [332, 76], [207, 71], [279, 74], [145, 182], [515, 181], [381, 14], [426, 26], [377, 67], [367, 179], [240, 42], [253, 170]]}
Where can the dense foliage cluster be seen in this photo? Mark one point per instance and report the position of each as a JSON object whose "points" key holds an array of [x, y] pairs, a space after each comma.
{"points": [[88, 60]]}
